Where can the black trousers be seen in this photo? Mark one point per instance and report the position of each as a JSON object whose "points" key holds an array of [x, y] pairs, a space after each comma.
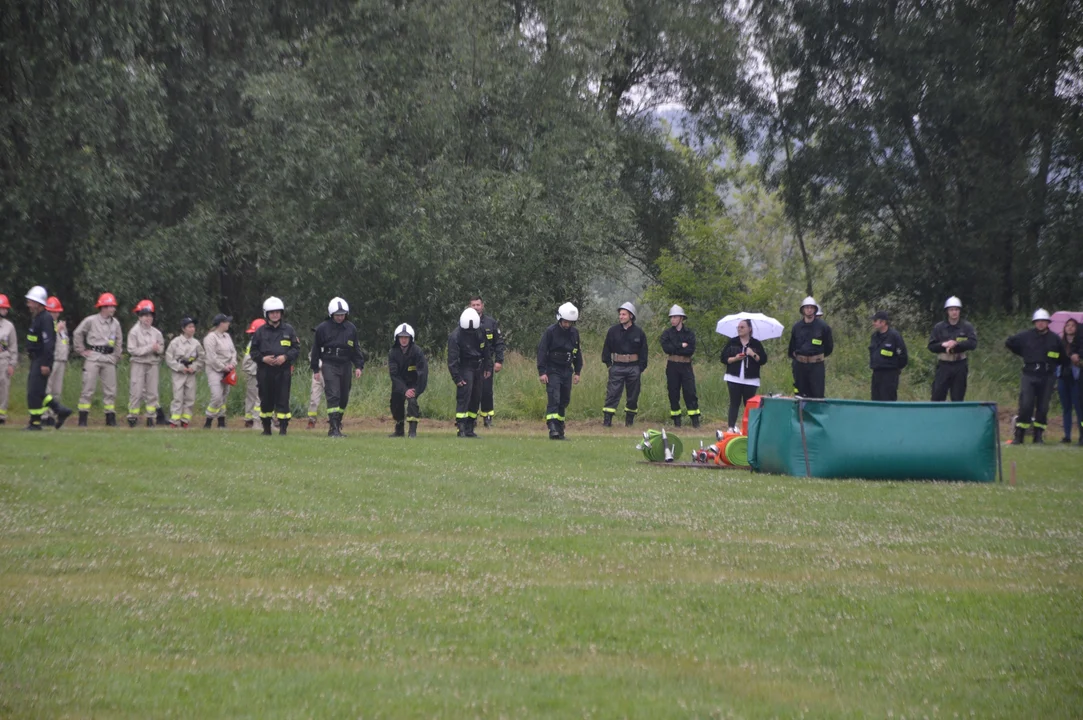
{"points": [[739, 393], [487, 395], [274, 391], [37, 397], [337, 381], [950, 377], [885, 385], [1034, 394], [558, 393], [468, 396], [809, 379], [622, 377], [680, 378], [404, 409]]}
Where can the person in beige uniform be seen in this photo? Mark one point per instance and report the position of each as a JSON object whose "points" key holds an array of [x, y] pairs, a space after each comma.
{"points": [[145, 348], [251, 384], [9, 356], [100, 339], [55, 387], [221, 359], [184, 357], [315, 395]]}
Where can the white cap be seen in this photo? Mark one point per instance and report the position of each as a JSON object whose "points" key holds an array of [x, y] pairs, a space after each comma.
{"points": [[810, 301], [677, 310], [273, 303], [404, 329], [629, 307], [953, 302], [338, 306], [38, 294], [568, 312], [1040, 314], [470, 320]]}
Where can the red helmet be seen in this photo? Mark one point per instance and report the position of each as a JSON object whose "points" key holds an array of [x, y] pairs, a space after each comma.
{"points": [[106, 300], [53, 304], [4, 302], [144, 307], [255, 325]]}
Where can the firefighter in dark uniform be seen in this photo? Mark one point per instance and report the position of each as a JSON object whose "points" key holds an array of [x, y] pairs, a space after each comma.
{"points": [[624, 352], [887, 358], [409, 377], [679, 343], [274, 349], [560, 364], [469, 361], [1041, 351], [951, 340], [40, 345], [495, 340], [811, 343], [334, 349]]}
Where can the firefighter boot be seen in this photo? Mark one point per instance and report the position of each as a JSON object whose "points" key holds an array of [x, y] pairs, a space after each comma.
{"points": [[470, 424], [110, 419], [335, 420], [150, 422], [283, 424], [1020, 434], [249, 424], [62, 413], [266, 425], [311, 424], [488, 421], [159, 417], [1038, 432], [412, 433], [607, 419], [629, 419], [82, 418], [399, 427], [222, 423], [132, 421], [676, 421], [460, 425], [695, 421], [560, 424], [34, 424], [208, 423], [554, 430]]}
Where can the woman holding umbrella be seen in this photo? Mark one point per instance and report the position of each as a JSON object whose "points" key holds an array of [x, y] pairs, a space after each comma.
{"points": [[743, 356]]}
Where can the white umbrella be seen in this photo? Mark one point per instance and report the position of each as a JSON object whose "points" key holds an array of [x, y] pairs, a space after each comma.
{"points": [[763, 327]]}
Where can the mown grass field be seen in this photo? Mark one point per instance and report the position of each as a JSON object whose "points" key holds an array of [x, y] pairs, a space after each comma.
{"points": [[149, 573]]}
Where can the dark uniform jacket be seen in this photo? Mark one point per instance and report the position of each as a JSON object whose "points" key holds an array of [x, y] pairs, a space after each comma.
{"points": [[467, 349], [621, 341], [559, 349], [336, 343], [41, 339], [1041, 353], [752, 367], [887, 351], [672, 338], [408, 369], [812, 338], [281, 340], [962, 332], [493, 337]]}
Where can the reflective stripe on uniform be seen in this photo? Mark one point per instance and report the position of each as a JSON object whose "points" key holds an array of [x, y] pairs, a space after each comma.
{"points": [[609, 410]]}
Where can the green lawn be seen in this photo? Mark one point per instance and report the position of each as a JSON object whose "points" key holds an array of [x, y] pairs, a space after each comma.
{"points": [[151, 573]]}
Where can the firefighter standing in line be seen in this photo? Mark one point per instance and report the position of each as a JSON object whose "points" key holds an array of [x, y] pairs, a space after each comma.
{"points": [[951, 340], [40, 344], [145, 348], [221, 361], [61, 350], [679, 343], [9, 355], [495, 339], [409, 372], [624, 352], [811, 342], [1041, 352], [275, 348], [251, 385], [184, 357], [99, 339], [334, 349], [887, 358], [560, 363], [469, 360], [315, 395]]}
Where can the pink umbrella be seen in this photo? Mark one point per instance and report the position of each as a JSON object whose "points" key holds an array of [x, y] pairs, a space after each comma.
{"points": [[1056, 323]]}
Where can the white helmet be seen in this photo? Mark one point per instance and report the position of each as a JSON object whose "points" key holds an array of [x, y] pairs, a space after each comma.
{"points": [[568, 312], [273, 303], [470, 320], [337, 306], [810, 301], [38, 294], [404, 329], [1040, 314], [676, 310], [630, 308], [819, 311], [953, 302]]}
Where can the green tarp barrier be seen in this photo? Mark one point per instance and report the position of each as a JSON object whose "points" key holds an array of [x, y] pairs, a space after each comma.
{"points": [[875, 440]]}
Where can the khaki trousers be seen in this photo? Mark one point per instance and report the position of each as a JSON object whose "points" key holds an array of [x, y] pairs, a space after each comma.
{"points": [[219, 393], [184, 397], [5, 387], [93, 371], [143, 387], [55, 387], [315, 396], [251, 397]]}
